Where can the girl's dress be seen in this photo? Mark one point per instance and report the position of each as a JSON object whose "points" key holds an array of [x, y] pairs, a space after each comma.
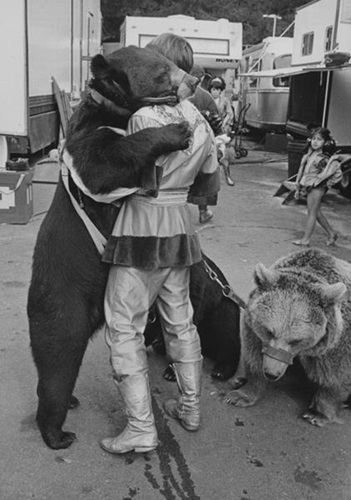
{"points": [[225, 112], [318, 170]]}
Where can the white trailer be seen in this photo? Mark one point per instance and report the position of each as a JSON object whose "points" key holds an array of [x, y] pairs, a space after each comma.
{"points": [[217, 45], [41, 39], [266, 98]]}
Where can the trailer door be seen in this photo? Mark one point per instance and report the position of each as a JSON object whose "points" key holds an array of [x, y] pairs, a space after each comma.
{"points": [[13, 81]]}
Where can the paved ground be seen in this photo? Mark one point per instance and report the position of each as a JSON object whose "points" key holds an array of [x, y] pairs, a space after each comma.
{"points": [[263, 453]]}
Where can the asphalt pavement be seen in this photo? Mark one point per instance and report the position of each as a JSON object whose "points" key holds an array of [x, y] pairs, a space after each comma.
{"points": [[266, 452]]}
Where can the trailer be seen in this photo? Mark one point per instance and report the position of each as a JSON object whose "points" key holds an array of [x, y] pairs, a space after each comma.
{"points": [[217, 45], [266, 97], [320, 91], [320, 79], [41, 40], [321, 85]]}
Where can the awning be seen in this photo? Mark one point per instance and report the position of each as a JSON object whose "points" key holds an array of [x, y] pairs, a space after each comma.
{"points": [[292, 70]]}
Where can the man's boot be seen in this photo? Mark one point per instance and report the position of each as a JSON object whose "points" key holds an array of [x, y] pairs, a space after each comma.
{"points": [[187, 407], [140, 433]]}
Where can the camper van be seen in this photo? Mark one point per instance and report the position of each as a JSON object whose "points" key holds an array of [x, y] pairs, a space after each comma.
{"points": [[266, 98], [320, 89], [41, 40], [217, 45]]}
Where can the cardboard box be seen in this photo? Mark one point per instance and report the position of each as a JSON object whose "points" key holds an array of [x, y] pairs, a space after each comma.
{"points": [[16, 196], [276, 143]]}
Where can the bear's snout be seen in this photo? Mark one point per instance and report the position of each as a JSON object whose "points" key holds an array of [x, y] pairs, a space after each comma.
{"points": [[273, 369]]}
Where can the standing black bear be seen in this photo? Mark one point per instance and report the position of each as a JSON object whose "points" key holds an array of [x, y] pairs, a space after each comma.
{"points": [[65, 302]]}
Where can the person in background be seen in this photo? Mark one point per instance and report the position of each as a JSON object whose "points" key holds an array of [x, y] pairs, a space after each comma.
{"points": [[151, 249], [316, 174], [204, 102], [216, 88]]}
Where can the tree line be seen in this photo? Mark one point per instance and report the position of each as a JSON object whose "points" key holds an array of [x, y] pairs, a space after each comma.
{"points": [[248, 12]]}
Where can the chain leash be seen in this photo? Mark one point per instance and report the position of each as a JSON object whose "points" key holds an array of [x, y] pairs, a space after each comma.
{"points": [[227, 290]]}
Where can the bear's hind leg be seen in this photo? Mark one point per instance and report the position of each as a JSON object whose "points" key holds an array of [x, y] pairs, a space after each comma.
{"points": [[225, 322], [51, 415], [58, 365], [324, 407]]}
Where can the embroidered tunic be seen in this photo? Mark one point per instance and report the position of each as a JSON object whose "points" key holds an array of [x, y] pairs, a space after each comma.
{"points": [[155, 232]]}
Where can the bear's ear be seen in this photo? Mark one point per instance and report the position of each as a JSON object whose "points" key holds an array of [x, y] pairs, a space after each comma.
{"points": [[332, 293], [264, 276], [99, 66]]}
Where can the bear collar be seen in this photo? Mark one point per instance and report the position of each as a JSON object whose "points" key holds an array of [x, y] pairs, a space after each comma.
{"points": [[107, 103], [171, 100]]}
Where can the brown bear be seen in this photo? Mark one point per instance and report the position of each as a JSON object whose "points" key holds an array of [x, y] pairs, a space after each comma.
{"points": [[300, 308], [65, 300]]}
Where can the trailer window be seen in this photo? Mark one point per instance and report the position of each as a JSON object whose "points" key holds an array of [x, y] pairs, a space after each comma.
{"points": [[328, 39], [256, 65], [283, 61], [307, 43]]}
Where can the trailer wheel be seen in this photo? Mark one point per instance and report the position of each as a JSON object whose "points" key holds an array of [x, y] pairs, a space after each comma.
{"points": [[345, 185], [237, 154], [243, 152]]}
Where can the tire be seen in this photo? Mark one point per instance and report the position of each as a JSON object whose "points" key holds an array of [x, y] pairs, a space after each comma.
{"points": [[237, 154], [243, 152]]}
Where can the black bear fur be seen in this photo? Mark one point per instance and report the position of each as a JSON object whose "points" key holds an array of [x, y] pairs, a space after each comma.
{"points": [[65, 299]]}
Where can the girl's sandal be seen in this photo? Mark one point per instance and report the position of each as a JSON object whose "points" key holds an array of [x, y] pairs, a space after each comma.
{"points": [[332, 240]]}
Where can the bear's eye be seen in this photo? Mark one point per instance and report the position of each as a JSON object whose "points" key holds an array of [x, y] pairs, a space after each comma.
{"points": [[294, 343], [269, 334]]}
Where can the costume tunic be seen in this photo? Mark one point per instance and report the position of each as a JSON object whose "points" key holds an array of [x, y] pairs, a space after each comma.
{"points": [[157, 232]]}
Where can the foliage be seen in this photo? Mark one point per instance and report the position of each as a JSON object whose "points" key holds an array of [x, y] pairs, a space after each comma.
{"points": [[249, 12]]}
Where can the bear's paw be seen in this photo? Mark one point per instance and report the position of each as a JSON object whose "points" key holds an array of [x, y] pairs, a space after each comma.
{"points": [[242, 398]]}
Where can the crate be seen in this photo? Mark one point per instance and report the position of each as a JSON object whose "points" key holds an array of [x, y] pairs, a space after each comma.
{"points": [[16, 196], [295, 153], [276, 143]]}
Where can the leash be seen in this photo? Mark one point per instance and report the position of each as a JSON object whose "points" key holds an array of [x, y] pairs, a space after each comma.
{"points": [[97, 237], [227, 290]]}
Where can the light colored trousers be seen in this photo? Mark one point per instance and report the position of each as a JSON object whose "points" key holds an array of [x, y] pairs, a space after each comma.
{"points": [[129, 294]]}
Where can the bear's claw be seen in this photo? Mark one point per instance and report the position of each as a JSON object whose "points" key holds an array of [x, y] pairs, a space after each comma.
{"points": [[74, 403], [223, 371], [239, 398], [320, 420]]}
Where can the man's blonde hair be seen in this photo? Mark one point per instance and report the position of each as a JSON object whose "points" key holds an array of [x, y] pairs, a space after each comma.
{"points": [[175, 48]]}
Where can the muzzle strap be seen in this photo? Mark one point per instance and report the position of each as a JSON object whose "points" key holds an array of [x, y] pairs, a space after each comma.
{"points": [[169, 99], [278, 354]]}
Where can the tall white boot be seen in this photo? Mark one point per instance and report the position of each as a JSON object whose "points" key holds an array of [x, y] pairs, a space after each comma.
{"points": [[140, 434], [187, 408]]}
